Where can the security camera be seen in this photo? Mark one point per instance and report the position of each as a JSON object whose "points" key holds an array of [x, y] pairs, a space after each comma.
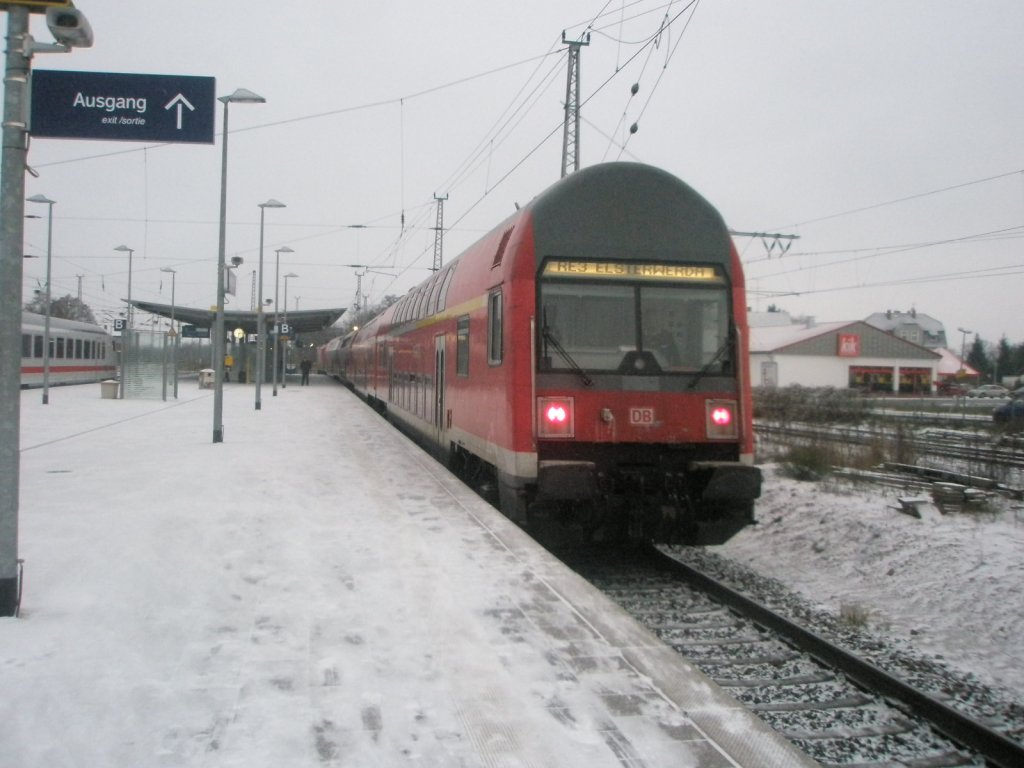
{"points": [[236, 261], [69, 27]]}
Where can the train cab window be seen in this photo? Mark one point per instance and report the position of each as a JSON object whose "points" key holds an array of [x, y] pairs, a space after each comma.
{"points": [[633, 327], [587, 326], [684, 328], [495, 322], [462, 346]]}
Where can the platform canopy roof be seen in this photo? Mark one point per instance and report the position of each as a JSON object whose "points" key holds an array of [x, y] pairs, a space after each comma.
{"points": [[300, 321]]}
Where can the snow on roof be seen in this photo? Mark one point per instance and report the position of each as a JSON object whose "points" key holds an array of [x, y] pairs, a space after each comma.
{"points": [[771, 338], [950, 364]]}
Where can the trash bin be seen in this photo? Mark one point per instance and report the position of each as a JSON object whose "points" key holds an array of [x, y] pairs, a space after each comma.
{"points": [[108, 389], [206, 378]]}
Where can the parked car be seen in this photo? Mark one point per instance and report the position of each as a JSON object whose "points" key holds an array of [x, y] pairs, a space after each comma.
{"points": [[1011, 413], [949, 388], [989, 390]]}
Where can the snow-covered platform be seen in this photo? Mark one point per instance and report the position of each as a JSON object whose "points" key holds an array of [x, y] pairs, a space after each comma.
{"points": [[313, 591]]}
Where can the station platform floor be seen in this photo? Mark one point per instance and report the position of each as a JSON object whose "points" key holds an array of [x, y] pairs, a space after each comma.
{"points": [[313, 591]]}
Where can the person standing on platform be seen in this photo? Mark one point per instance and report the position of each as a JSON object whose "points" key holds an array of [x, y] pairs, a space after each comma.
{"points": [[305, 367]]}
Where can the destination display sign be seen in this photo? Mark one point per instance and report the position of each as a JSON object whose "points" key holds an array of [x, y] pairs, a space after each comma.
{"points": [[38, 6], [122, 107], [194, 332], [632, 270]]}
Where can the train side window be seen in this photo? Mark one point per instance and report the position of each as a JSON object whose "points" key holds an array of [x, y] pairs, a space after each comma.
{"points": [[26, 345], [494, 328], [462, 346], [60, 348], [78, 349], [37, 346]]}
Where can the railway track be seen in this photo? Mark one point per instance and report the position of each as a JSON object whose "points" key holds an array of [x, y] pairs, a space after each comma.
{"points": [[999, 457], [841, 706]]}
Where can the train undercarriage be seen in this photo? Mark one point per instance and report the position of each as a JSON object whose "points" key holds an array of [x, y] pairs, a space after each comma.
{"points": [[662, 494]]}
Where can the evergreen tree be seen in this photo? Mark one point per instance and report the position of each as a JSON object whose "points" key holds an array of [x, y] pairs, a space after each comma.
{"points": [[978, 359]]}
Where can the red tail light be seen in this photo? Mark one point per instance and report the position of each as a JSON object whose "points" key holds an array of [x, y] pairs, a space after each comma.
{"points": [[722, 421], [555, 417]]}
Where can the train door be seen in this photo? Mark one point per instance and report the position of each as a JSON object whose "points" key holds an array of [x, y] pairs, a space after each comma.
{"points": [[438, 414]]}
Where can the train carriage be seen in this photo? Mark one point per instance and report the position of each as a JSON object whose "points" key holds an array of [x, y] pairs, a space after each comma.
{"points": [[586, 358], [79, 352]]}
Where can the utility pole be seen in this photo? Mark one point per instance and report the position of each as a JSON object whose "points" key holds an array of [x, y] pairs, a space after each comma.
{"points": [[72, 30], [12, 215], [571, 130], [439, 233]]}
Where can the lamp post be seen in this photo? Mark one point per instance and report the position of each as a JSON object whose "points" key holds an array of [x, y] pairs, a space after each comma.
{"points": [[261, 332], [46, 322], [277, 328], [173, 334], [126, 336], [284, 362], [241, 96]]}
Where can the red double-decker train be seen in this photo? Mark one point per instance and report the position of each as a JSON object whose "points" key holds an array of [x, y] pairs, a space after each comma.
{"points": [[586, 359]]}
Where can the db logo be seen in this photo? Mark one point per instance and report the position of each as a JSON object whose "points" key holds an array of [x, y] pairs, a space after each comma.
{"points": [[641, 416]]}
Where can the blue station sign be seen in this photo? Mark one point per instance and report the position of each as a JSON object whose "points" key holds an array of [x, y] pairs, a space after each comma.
{"points": [[122, 107]]}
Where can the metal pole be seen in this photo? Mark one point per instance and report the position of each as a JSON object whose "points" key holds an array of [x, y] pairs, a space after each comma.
{"points": [[277, 329], [177, 336], [259, 319], [218, 323], [12, 218], [173, 332], [284, 361], [261, 331], [49, 294]]}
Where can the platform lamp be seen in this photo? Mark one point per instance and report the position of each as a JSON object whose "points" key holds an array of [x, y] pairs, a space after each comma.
{"points": [[261, 332], [284, 363], [46, 322], [241, 96], [277, 328]]}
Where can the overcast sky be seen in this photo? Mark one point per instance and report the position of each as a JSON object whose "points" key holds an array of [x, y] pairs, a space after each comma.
{"points": [[886, 135]]}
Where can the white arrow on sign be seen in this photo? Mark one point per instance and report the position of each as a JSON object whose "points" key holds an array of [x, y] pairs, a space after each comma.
{"points": [[180, 101]]}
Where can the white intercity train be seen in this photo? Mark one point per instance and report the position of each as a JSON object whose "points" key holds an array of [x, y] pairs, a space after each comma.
{"points": [[79, 352]]}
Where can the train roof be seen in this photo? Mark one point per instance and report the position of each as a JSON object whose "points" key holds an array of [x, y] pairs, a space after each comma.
{"points": [[628, 210], [35, 319]]}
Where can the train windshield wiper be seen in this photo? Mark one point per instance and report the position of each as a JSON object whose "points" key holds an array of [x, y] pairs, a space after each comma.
{"points": [[549, 337], [704, 371]]}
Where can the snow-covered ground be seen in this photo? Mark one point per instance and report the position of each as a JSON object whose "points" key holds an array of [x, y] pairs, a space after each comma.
{"points": [[952, 586], [314, 591], [191, 594]]}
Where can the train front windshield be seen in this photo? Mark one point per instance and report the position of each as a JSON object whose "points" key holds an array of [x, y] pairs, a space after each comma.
{"points": [[679, 321]]}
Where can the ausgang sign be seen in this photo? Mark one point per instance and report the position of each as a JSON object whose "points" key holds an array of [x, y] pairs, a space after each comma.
{"points": [[122, 107]]}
